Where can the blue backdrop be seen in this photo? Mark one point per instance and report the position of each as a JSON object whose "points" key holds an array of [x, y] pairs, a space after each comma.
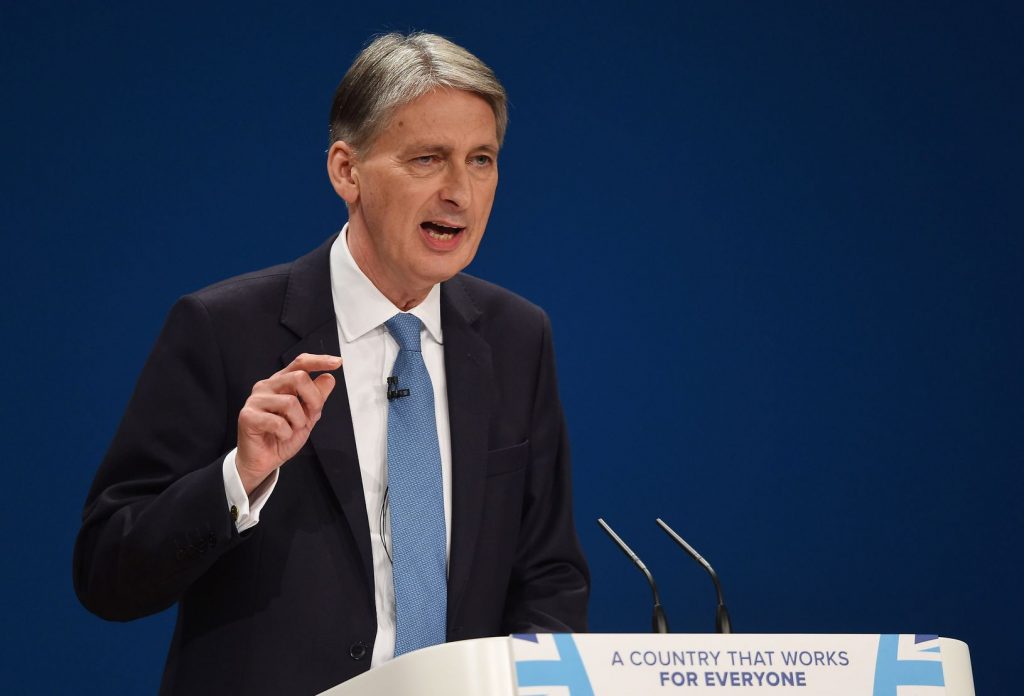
{"points": [[781, 248]]}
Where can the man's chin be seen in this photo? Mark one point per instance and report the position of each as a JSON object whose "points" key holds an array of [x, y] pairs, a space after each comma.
{"points": [[434, 273]]}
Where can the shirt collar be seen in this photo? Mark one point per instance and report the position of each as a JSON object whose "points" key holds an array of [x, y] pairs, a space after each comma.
{"points": [[360, 306]]}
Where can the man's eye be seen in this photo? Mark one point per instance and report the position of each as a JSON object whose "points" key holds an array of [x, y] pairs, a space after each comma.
{"points": [[425, 159], [481, 160]]}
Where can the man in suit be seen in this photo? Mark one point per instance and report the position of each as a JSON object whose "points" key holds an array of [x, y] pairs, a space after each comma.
{"points": [[249, 479]]}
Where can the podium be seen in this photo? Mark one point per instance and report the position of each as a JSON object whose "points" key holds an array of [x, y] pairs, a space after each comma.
{"points": [[640, 664]]}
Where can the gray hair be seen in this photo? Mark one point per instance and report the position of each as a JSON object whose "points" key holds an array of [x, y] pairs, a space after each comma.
{"points": [[395, 70]]}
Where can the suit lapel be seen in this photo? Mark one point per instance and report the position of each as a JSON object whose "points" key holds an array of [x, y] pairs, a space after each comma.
{"points": [[309, 312], [469, 376]]}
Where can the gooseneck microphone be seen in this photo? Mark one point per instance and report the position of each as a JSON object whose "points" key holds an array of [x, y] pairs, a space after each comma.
{"points": [[722, 624], [659, 623]]}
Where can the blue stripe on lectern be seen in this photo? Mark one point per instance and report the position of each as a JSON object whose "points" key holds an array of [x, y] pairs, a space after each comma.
{"points": [[567, 670], [890, 671]]}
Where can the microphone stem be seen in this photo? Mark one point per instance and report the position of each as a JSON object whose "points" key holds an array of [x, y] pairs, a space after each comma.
{"points": [[659, 622], [722, 622]]}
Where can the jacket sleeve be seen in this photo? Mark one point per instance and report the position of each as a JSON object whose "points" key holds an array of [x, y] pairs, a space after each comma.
{"points": [[550, 583], [156, 517]]}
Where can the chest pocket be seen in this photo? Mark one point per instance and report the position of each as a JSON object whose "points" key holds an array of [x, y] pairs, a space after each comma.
{"points": [[508, 459]]}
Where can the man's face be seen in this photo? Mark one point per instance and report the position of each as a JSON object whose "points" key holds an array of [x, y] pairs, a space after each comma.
{"points": [[423, 192]]}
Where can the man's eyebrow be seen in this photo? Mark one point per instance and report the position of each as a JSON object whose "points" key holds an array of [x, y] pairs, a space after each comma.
{"points": [[427, 146]]}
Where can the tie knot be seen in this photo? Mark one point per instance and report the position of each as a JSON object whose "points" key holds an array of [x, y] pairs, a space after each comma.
{"points": [[405, 329]]}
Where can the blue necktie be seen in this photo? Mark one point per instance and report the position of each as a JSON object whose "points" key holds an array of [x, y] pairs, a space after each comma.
{"points": [[416, 501]]}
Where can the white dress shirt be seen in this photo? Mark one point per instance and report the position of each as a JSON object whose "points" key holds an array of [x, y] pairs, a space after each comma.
{"points": [[368, 353]]}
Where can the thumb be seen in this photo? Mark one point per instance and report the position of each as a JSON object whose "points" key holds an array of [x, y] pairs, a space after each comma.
{"points": [[325, 383]]}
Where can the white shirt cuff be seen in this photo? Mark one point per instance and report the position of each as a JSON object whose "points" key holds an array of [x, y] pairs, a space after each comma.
{"points": [[244, 511]]}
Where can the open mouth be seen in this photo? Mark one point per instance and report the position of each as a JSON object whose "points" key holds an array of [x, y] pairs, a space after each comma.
{"points": [[440, 232]]}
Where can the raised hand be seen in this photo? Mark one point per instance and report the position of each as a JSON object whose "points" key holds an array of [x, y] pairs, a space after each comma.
{"points": [[279, 414]]}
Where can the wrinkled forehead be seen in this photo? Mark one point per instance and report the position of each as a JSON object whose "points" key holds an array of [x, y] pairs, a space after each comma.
{"points": [[429, 104]]}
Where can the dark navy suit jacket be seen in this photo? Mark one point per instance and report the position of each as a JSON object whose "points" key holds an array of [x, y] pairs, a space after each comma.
{"points": [[287, 607]]}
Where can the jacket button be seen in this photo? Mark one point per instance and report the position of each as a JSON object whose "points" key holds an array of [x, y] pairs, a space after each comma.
{"points": [[357, 651]]}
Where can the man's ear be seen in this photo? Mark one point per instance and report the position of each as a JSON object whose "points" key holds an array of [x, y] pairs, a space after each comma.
{"points": [[340, 170]]}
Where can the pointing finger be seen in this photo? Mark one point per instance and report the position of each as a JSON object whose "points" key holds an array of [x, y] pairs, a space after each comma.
{"points": [[308, 362]]}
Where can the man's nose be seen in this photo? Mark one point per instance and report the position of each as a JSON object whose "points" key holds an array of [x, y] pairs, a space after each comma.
{"points": [[456, 186]]}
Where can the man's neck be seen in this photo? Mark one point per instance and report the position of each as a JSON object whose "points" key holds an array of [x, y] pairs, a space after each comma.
{"points": [[403, 298]]}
